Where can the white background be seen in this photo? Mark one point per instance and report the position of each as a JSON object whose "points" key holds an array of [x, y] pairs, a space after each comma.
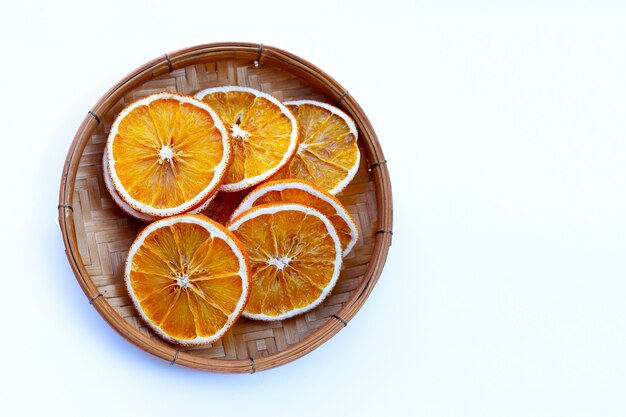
{"points": [[505, 130]]}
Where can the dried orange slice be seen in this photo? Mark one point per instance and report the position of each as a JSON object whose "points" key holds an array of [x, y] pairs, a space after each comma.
{"points": [[328, 154], [223, 206], [303, 192], [295, 258], [167, 154], [264, 133], [108, 182], [188, 278]]}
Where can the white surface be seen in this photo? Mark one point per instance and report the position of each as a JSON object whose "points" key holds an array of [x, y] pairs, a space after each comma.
{"points": [[504, 289]]}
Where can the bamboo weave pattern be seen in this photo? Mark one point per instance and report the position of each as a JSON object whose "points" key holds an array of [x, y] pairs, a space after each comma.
{"points": [[104, 233]]}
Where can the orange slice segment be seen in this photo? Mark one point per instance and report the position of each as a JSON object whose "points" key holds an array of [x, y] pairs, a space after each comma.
{"points": [[295, 258], [328, 154], [263, 131], [167, 154], [304, 192], [126, 208], [188, 277]]}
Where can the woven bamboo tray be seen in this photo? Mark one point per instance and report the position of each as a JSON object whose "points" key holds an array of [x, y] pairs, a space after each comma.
{"points": [[97, 234]]}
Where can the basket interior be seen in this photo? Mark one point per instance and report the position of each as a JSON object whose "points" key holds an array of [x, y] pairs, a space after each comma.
{"points": [[104, 232]]}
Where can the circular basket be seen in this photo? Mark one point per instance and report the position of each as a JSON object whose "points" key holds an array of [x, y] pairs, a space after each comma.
{"points": [[97, 234]]}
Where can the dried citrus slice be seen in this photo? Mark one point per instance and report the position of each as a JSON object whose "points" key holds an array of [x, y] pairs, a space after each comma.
{"points": [[295, 258], [108, 182], [222, 207], [328, 154], [167, 154], [188, 278], [303, 192], [264, 133]]}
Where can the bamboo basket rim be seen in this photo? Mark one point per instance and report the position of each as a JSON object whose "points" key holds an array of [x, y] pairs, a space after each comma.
{"points": [[259, 54]]}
